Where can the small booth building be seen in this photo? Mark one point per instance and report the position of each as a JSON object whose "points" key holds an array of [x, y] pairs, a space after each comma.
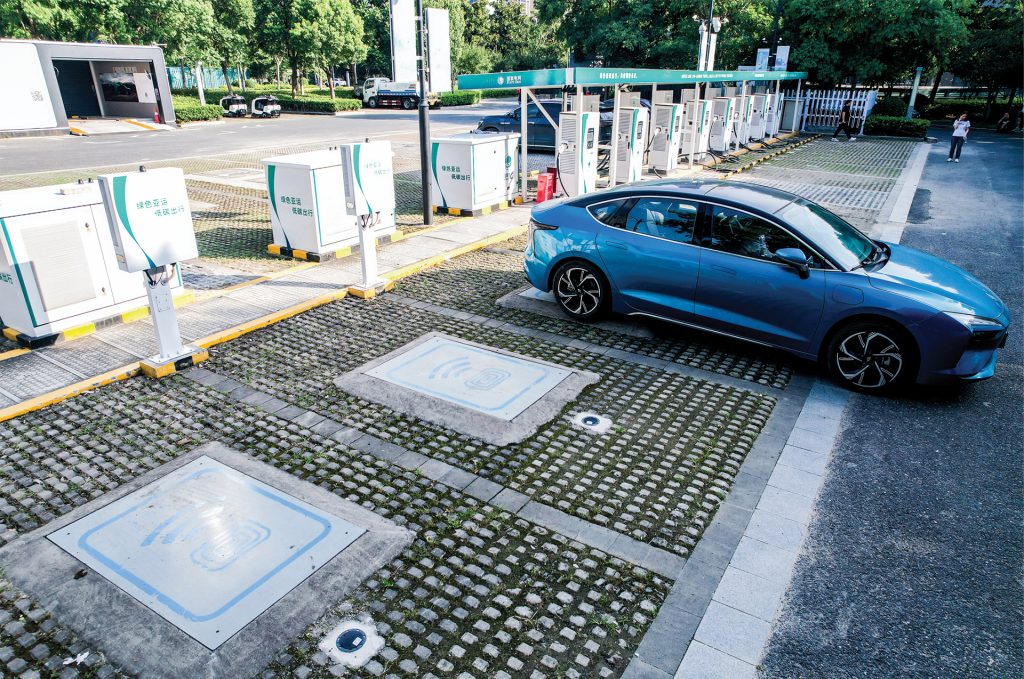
{"points": [[49, 83]]}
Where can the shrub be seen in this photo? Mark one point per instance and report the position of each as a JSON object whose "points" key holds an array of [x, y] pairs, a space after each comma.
{"points": [[460, 98], [890, 106], [895, 126], [975, 108], [187, 110], [315, 101], [499, 93]]}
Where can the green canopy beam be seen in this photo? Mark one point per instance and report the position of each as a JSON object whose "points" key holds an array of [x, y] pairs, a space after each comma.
{"points": [[561, 77]]}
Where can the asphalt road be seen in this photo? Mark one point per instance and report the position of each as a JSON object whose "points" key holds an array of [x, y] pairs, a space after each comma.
{"points": [[913, 565], [42, 154]]}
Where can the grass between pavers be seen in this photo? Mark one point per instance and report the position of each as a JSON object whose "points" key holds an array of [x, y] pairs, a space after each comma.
{"points": [[31, 640], [479, 591], [658, 476], [475, 281]]}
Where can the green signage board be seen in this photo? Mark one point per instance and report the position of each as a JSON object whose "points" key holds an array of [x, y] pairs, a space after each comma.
{"points": [[552, 77], [558, 77]]}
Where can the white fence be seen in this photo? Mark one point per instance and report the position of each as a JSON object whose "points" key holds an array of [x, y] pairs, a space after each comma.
{"points": [[821, 107]]}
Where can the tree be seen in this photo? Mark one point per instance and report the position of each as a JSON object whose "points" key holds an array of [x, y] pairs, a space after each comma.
{"points": [[231, 30], [990, 54], [377, 36], [30, 19], [274, 22], [328, 33]]}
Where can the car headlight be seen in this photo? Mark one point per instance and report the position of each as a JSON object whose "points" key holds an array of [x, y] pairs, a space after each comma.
{"points": [[975, 323]]}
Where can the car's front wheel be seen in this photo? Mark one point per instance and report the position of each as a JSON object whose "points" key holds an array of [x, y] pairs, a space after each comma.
{"points": [[581, 290], [872, 357]]}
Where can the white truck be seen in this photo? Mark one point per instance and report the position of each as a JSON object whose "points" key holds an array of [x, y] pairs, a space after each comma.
{"points": [[381, 92]]}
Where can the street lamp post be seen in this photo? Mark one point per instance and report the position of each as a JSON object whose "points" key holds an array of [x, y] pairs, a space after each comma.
{"points": [[424, 120]]}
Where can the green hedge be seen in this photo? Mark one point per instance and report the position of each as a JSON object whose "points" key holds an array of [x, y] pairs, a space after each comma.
{"points": [[317, 102], [460, 98], [491, 94], [890, 106], [895, 126], [951, 108], [189, 110]]}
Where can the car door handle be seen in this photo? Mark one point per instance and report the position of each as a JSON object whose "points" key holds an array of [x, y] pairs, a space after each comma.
{"points": [[724, 269], [616, 244]]}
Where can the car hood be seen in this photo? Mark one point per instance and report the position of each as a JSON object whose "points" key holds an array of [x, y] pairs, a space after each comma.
{"points": [[936, 282]]}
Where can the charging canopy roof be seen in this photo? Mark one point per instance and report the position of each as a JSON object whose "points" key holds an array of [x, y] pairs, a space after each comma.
{"points": [[561, 77]]}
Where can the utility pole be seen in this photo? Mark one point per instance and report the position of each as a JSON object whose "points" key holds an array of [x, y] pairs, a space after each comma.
{"points": [[424, 111]]}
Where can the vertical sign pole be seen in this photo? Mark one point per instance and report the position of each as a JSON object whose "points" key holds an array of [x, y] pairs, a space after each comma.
{"points": [[523, 144], [798, 111], [913, 92], [612, 161], [161, 307], [424, 111]]}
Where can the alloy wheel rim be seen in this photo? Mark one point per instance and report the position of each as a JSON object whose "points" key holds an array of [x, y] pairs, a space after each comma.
{"points": [[579, 291], [869, 359]]}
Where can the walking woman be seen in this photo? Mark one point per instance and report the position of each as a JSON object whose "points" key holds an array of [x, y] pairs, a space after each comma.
{"points": [[961, 126]]}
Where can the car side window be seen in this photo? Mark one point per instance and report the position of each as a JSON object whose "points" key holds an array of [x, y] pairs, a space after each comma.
{"points": [[741, 233], [605, 212], [667, 218]]}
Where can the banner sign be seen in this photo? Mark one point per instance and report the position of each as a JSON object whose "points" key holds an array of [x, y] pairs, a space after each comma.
{"points": [[761, 63], [781, 58], [403, 41], [439, 50], [610, 76]]}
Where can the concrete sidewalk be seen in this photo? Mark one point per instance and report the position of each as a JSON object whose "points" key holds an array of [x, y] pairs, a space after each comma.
{"points": [[113, 353]]}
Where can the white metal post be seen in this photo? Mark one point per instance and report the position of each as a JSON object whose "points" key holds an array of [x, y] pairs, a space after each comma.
{"points": [[702, 54], [798, 114], [744, 135], [777, 98], [161, 308], [524, 153], [368, 253], [615, 137], [711, 51], [697, 119]]}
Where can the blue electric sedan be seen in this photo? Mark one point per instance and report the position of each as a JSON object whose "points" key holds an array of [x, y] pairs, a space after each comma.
{"points": [[769, 267]]}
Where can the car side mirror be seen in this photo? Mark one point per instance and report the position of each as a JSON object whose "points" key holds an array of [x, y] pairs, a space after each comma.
{"points": [[795, 258]]}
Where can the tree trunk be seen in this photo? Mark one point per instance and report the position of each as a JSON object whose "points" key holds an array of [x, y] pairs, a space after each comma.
{"points": [[1009, 100], [295, 80], [224, 70], [935, 85], [241, 77], [330, 77], [277, 63]]}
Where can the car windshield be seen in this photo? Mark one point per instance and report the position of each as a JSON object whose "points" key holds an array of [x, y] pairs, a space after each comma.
{"points": [[843, 242]]}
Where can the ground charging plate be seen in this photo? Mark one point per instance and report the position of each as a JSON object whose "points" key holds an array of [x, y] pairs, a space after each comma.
{"points": [[492, 394], [206, 547]]}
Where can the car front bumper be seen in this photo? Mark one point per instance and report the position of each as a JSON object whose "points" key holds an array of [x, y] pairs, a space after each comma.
{"points": [[950, 353]]}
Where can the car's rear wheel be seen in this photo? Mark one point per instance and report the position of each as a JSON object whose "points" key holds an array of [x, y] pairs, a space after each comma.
{"points": [[372, 102], [409, 104], [581, 290], [872, 357]]}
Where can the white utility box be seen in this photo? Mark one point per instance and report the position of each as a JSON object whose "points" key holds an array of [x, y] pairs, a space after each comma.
{"points": [[369, 180], [755, 125], [307, 203], [58, 265], [631, 128], [577, 152], [696, 117], [723, 113], [474, 171], [668, 132]]}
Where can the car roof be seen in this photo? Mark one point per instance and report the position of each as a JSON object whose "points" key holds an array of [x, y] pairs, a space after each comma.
{"points": [[763, 198]]}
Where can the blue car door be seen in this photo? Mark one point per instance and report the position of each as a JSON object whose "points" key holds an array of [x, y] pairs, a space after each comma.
{"points": [[648, 251], [743, 290]]}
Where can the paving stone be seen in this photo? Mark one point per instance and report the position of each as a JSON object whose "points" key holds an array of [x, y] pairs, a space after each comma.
{"points": [[739, 634], [710, 663]]}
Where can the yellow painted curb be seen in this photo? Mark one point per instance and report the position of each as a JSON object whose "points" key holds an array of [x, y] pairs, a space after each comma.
{"points": [[171, 368], [263, 321], [11, 334], [79, 331], [137, 124], [64, 393], [77, 131], [14, 352], [416, 267]]}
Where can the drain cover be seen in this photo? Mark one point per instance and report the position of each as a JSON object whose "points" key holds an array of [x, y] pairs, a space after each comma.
{"points": [[352, 642], [593, 422]]}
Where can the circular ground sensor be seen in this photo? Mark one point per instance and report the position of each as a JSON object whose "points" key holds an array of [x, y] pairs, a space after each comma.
{"points": [[350, 641], [592, 422], [353, 642]]}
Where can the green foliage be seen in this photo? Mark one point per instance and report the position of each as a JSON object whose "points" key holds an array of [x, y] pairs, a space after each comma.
{"points": [[188, 110], [460, 98], [328, 33], [974, 108], [873, 43], [992, 55], [895, 126], [493, 94], [377, 36], [890, 106], [476, 59]]}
